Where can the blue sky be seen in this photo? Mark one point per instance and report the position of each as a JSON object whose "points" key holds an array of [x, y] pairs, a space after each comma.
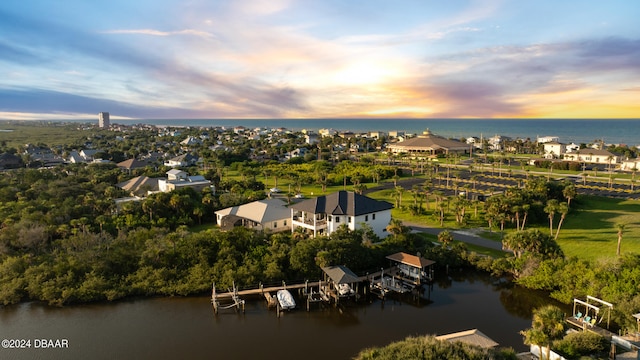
{"points": [[315, 59]]}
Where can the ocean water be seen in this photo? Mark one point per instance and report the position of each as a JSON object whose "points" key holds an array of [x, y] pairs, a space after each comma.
{"points": [[611, 131]]}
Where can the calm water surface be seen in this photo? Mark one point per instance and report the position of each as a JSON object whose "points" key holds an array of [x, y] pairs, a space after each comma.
{"points": [[171, 328]]}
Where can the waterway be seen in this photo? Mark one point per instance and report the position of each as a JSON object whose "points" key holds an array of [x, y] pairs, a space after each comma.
{"points": [[171, 328]]}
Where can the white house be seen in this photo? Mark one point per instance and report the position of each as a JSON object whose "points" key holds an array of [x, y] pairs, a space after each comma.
{"points": [[572, 147], [324, 214], [311, 138], [180, 179], [593, 156], [190, 141], [267, 214], [553, 150], [181, 161], [547, 139], [630, 165]]}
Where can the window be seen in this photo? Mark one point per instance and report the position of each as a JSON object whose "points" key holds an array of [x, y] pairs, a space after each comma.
{"points": [[373, 216], [275, 224], [366, 218], [284, 223], [337, 219], [329, 217], [349, 219]]}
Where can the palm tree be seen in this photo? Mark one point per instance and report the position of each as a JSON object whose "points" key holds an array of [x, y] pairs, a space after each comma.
{"points": [[550, 209], [445, 238], [569, 193], [620, 228], [563, 209], [547, 325], [515, 209], [441, 209], [398, 195], [525, 209], [426, 187], [396, 228]]}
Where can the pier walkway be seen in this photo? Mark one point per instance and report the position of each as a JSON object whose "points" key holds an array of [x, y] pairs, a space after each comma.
{"points": [[261, 289]]}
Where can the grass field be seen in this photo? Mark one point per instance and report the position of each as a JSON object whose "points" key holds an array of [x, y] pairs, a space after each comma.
{"points": [[590, 232], [52, 135]]}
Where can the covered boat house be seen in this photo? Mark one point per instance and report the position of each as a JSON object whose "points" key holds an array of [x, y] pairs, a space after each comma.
{"points": [[412, 268], [340, 282]]}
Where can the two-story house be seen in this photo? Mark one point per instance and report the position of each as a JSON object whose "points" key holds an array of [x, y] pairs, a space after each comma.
{"points": [[324, 214]]}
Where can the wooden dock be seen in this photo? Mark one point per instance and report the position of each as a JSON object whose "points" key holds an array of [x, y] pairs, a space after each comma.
{"points": [[626, 342], [313, 291], [260, 290]]}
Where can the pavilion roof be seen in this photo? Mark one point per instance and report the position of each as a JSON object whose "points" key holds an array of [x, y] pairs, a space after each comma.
{"points": [[341, 274], [411, 260], [471, 337]]}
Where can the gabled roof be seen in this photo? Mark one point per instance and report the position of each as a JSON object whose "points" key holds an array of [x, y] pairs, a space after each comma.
{"points": [[597, 152], [132, 164], [471, 337], [175, 172], [261, 211], [429, 141], [10, 159], [136, 184], [342, 203], [411, 260], [341, 274]]}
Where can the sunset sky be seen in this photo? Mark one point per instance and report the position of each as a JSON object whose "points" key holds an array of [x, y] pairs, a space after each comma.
{"points": [[319, 59]]}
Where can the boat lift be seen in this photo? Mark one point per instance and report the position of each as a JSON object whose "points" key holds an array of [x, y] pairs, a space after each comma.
{"points": [[236, 302]]}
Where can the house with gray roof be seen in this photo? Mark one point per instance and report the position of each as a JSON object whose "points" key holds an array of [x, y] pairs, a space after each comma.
{"points": [[180, 179], [325, 214], [132, 164], [182, 161]]}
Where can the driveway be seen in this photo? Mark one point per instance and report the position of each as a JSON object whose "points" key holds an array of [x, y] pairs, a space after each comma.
{"points": [[458, 235]]}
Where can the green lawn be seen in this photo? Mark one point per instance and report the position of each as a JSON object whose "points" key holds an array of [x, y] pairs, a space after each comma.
{"points": [[28, 133], [590, 232]]}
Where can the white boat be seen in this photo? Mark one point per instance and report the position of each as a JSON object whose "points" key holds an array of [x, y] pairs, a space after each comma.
{"points": [[285, 299], [345, 290]]}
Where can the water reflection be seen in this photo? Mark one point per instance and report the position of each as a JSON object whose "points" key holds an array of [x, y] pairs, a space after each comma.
{"points": [[169, 328]]}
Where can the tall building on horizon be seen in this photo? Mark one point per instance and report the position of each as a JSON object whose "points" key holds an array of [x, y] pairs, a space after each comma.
{"points": [[103, 120]]}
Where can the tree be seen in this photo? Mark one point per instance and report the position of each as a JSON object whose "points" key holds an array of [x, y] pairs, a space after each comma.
{"points": [[426, 187], [569, 193], [397, 193], [525, 209], [563, 209], [531, 241], [550, 209], [620, 228], [547, 325], [445, 237], [396, 228]]}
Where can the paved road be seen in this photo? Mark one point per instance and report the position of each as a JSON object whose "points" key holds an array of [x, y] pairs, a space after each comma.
{"points": [[467, 238]]}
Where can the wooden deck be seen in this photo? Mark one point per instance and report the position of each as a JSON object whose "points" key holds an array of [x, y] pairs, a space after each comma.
{"points": [[627, 342], [261, 290], [588, 327]]}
